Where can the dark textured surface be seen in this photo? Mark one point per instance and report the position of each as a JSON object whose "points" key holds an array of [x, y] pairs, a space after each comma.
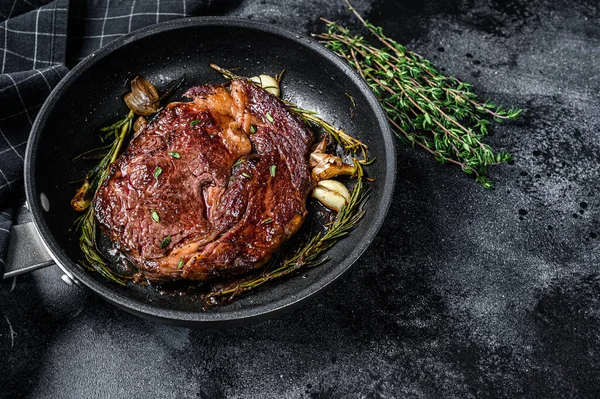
{"points": [[464, 293]]}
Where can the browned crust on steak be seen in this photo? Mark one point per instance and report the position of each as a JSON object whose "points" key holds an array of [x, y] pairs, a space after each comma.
{"points": [[223, 219]]}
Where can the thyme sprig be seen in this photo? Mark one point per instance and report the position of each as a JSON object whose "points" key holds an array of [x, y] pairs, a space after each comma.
{"points": [[438, 113], [310, 254]]}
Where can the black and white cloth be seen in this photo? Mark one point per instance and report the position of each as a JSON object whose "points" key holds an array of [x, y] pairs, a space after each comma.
{"points": [[39, 41]]}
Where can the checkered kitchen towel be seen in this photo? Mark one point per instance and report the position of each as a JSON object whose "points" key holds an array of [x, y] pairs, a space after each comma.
{"points": [[39, 41]]}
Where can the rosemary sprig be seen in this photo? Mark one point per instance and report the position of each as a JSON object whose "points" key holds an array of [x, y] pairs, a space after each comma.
{"points": [[425, 108], [227, 73], [87, 242], [311, 253], [118, 131], [86, 222]]}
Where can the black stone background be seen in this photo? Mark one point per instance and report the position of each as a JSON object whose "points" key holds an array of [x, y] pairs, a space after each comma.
{"points": [[465, 293]]}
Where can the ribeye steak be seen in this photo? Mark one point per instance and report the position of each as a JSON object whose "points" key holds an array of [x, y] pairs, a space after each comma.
{"points": [[211, 187]]}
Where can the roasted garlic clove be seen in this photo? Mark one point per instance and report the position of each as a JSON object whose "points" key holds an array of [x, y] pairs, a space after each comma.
{"points": [[268, 83], [325, 166], [139, 125], [331, 193], [82, 199], [143, 98], [329, 166], [319, 149]]}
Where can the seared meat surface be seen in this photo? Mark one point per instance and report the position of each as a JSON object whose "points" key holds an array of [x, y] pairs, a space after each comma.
{"points": [[226, 176]]}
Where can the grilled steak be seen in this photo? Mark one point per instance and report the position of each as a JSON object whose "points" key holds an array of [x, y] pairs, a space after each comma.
{"points": [[211, 187]]}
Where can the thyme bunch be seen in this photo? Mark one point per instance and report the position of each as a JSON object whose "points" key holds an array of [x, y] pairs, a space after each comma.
{"points": [[438, 113]]}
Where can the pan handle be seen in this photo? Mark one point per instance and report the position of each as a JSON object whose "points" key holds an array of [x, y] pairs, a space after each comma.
{"points": [[26, 251]]}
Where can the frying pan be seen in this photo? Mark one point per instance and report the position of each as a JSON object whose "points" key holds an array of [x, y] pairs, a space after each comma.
{"points": [[90, 96]]}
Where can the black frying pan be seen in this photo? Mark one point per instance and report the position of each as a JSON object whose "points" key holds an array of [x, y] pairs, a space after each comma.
{"points": [[91, 95]]}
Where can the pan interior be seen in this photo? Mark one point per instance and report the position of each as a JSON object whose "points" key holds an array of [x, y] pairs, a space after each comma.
{"points": [[91, 97]]}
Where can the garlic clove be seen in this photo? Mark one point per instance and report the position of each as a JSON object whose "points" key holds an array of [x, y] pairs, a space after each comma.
{"points": [[331, 193], [325, 166], [336, 186], [318, 153], [143, 98], [139, 125], [268, 83], [82, 199], [328, 166]]}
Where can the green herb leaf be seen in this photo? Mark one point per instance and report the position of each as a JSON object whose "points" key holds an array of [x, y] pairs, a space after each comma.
{"points": [[246, 175], [267, 221], [157, 172], [252, 129], [155, 216], [239, 161], [269, 117], [195, 122], [165, 242], [273, 170], [180, 263], [175, 155]]}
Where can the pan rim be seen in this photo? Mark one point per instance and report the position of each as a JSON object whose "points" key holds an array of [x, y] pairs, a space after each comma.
{"points": [[212, 318]]}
